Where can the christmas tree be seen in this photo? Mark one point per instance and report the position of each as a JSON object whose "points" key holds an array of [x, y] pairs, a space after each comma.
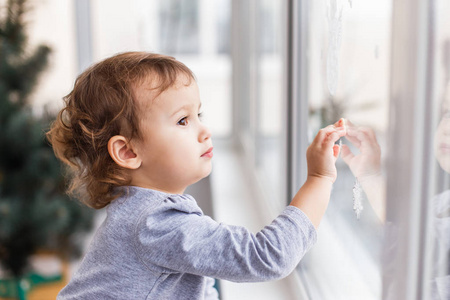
{"points": [[35, 213]]}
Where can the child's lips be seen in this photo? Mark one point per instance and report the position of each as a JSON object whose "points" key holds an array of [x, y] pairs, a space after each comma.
{"points": [[208, 153]]}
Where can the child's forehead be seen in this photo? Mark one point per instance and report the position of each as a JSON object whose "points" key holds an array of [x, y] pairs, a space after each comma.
{"points": [[150, 88]]}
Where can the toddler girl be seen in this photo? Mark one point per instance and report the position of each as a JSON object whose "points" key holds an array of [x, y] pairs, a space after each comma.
{"points": [[132, 134]]}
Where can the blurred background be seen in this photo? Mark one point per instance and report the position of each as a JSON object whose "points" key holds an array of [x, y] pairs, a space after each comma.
{"points": [[271, 73]]}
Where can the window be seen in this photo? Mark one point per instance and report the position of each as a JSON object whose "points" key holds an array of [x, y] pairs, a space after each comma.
{"points": [[344, 67], [384, 65], [270, 125]]}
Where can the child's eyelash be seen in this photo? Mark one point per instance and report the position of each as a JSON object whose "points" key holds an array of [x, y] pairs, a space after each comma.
{"points": [[184, 120]]}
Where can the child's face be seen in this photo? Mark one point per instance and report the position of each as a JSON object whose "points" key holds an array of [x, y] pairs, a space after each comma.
{"points": [[176, 147], [442, 138]]}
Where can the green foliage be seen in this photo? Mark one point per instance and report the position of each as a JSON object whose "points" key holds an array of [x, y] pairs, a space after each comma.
{"points": [[35, 213]]}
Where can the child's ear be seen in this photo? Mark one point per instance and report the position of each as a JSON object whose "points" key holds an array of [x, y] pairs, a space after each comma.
{"points": [[122, 153]]}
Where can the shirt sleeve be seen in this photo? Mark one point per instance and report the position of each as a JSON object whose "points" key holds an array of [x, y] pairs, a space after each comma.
{"points": [[182, 239]]}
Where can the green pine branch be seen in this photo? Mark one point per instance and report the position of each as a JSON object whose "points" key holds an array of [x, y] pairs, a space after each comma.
{"points": [[35, 213]]}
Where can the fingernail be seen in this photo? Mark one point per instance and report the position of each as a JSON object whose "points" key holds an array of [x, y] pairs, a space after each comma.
{"points": [[343, 123]]}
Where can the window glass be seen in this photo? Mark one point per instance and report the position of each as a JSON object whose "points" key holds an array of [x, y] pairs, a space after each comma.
{"points": [[347, 75], [259, 71], [224, 26], [436, 279], [443, 92], [270, 141], [179, 26]]}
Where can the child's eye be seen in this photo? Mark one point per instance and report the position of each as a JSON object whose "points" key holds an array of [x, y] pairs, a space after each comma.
{"points": [[183, 121]]}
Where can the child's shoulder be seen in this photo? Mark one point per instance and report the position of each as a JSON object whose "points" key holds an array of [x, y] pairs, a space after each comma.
{"points": [[147, 201]]}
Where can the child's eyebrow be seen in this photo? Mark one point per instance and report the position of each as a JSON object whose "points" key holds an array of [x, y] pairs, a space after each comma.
{"points": [[185, 107]]}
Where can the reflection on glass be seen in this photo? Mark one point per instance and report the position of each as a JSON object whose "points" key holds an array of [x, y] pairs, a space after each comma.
{"points": [[439, 283], [348, 51], [440, 205], [366, 166]]}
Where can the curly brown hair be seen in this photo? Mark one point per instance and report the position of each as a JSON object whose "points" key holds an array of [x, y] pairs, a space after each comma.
{"points": [[101, 105]]}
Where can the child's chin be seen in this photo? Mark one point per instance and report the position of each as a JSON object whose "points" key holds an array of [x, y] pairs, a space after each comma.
{"points": [[204, 174], [207, 172]]}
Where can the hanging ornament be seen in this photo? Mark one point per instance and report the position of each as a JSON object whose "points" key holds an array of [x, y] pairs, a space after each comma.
{"points": [[357, 199]]}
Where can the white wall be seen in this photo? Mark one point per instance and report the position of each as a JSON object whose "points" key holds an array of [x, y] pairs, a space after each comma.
{"points": [[51, 22]]}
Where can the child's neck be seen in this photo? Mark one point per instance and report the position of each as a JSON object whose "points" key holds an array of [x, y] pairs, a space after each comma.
{"points": [[167, 190]]}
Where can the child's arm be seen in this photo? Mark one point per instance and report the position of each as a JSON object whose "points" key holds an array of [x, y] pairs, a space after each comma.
{"points": [[180, 239], [314, 195]]}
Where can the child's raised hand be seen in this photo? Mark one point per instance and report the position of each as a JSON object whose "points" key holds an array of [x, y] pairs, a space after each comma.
{"points": [[323, 152]]}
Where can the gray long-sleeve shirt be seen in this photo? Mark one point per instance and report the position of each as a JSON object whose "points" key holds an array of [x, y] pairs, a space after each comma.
{"points": [[154, 245]]}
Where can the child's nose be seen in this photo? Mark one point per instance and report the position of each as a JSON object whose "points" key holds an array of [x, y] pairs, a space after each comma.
{"points": [[204, 134]]}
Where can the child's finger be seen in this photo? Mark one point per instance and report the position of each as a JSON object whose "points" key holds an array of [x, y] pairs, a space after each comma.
{"points": [[328, 136], [332, 138], [336, 150], [341, 123], [324, 132]]}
